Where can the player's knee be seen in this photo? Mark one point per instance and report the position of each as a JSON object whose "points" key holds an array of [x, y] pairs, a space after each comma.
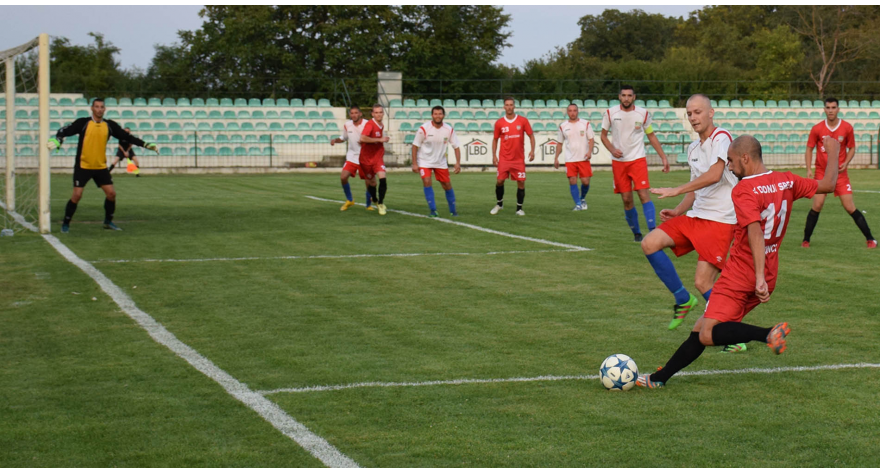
{"points": [[702, 285], [706, 336], [111, 195]]}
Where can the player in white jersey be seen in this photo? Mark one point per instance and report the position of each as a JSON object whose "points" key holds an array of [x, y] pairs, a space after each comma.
{"points": [[351, 133], [576, 137], [709, 224], [429, 156], [629, 124]]}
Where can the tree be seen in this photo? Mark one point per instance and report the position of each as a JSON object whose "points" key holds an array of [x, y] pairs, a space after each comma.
{"points": [[90, 69], [619, 35], [837, 35]]}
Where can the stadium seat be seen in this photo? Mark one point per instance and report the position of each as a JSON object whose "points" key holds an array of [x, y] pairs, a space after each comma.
{"points": [[243, 115], [473, 127], [486, 127], [408, 139], [456, 115], [499, 103], [277, 127], [595, 116], [64, 102], [723, 104], [554, 104], [613, 103], [400, 115], [545, 115], [310, 103], [67, 114], [584, 115], [461, 126], [754, 115], [414, 115], [559, 115], [277, 139], [448, 103], [156, 114], [435, 103], [795, 104], [160, 126], [783, 104], [318, 127], [153, 102], [818, 104], [172, 115], [640, 103], [314, 115], [169, 102], [307, 139], [81, 102], [488, 104], [538, 127], [779, 115], [493, 115], [294, 139], [406, 127], [526, 104], [322, 139], [247, 127], [748, 104], [254, 103], [589, 103], [461, 103], [140, 102], [289, 126], [602, 103], [480, 115], [467, 115], [532, 115]]}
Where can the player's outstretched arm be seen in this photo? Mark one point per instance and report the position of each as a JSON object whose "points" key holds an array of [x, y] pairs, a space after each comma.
{"points": [[120, 134], [71, 129], [828, 182], [756, 243]]}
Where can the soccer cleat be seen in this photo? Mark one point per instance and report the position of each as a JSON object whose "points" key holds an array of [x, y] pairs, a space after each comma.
{"points": [[577, 207], [734, 348], [645, 381], [382, 210], [371, 208], [346, 205], [520, 212], [872, 244], [453, 214], [806, 244], [109, 225], [65, 228], [637, 237], [496, 209], [776, 338], [680, 311], [433, 214], [584, 206]]}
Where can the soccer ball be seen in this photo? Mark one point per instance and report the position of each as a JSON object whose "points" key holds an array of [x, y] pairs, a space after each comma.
{"points": [[618, 372]]}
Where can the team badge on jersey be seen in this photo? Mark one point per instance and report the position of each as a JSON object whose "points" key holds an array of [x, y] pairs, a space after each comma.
{"points": [[583, 133], [518, 127], [638, 125], [840, 139]]}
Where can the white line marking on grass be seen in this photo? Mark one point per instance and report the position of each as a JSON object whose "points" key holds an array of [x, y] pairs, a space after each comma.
{"points": [[865, 191], [471, 226], [309, 257], [314, 444], [553, 378]]}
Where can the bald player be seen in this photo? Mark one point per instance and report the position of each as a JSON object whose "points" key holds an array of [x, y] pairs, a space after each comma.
{"points": [[703, 220], [762, 200]]}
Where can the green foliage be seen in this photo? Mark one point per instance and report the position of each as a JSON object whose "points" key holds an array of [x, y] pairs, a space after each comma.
{"points": [[90, 69]]}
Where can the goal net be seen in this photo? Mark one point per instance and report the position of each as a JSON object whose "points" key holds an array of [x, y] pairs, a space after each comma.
{"points": [[24, 131]]}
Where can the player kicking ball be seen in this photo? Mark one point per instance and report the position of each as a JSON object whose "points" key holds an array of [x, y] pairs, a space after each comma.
{"points": [[511, 130], [429, 156], [703, 220], [578, 139], [762, 200]]}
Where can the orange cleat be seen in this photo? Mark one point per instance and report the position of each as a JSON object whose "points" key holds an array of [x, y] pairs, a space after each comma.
{"points": [[805, 244], [872, 244], [776, 338]]}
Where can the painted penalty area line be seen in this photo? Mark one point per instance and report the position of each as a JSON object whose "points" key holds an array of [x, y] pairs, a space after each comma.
{"points": [[471, 226], [311, 257], [554, 378], [283, 422]]}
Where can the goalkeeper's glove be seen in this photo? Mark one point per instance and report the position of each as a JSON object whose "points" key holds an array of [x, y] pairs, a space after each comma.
{"points": [[53, 144], [151, 146]]}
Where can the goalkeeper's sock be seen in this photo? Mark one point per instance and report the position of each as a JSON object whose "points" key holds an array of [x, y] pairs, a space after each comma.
{"points": [[109, 210], [69, 211]]}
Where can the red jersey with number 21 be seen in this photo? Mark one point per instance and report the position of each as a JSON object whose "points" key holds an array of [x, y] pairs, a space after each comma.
{"points": [[766, 198], [513, 138]]}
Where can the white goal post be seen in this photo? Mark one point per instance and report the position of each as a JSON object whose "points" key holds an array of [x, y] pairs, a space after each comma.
{"points": [[8, 56]]}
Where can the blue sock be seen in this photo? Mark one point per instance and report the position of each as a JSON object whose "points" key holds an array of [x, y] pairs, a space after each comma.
{"points": [[369, 199], [632, 218], [585, 188], [664, 269], [574, 194], [450, 199], [707, 294], [347, 189], [648, 209], [429, 196]]}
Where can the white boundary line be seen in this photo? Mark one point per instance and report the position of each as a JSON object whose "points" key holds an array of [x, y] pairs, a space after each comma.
{"points": [[553, 378], [865, 191], [310, 257], [471, 226], [283, 422]]}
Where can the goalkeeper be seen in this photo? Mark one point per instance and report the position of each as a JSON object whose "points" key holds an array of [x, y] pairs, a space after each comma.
{"points": [[91, 159]]}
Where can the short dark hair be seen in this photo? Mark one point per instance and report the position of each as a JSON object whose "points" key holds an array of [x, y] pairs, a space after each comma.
{"points": [[97, 99], [354, 107], [378, 105], [832, 99], [510, 98], [627, 87], [440, 108], [572, 105]]}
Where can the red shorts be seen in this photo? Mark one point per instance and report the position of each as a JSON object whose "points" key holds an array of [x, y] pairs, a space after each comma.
{"points": [[353, 169], [578, 168], [371, 169], [628, 172], [442, 174], [513, 170], [842, 187], [710, 239], [731, 305]]}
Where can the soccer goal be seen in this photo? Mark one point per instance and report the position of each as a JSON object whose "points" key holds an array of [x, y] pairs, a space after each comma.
{"points": [[24, 157]]}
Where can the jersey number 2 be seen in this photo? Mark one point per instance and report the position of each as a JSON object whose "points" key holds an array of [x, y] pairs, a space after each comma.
{"points": [[770, 216]]}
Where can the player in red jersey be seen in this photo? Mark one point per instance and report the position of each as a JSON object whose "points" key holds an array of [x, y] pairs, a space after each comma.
{"points": [[763, 201], [373, 140], [841, 131], [511, 162]]}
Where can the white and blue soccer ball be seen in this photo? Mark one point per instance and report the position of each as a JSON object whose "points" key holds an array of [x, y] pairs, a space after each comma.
{"points": [[618, 372]]}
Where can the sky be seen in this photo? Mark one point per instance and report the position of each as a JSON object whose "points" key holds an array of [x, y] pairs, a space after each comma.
{"points": [[135, 29]]}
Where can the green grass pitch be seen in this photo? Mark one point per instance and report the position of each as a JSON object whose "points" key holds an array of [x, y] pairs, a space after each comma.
{"points": [[83, 385]]}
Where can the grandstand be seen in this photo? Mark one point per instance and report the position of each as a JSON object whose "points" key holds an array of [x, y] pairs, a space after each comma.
{"points": [[212, 133]]}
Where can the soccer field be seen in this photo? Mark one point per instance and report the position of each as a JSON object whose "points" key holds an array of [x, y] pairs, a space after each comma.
{"points": [[404, 341]]}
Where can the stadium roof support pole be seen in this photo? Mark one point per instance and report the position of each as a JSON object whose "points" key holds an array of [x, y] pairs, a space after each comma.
{"points": [[44, 133], [10, 133]]}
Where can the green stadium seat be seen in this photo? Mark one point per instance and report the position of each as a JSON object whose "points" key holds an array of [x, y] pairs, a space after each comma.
{"points": [[461, 103], [414, 115], [154, 102], [286, 114], [224, 151], [400, 115], [473, 127], [64, 102], [526, 104], [589, 103], [790, 149], [314, 115], [759, 104], [493, 115], [160, 126], [139, 102], [748, 104], [554, 104], [269, 151], [310, 103], [243, 115], [863, 149], [247, 127], [79, 102], [499, 103], [783, 104], [169, 102], [723, 104], [208, 151], [532, 115], [307, 139], [460, 126], [289, 126], [223, 139], [224, 102], [171, 115], [651, 104], [395, 103], [742, 115], [817, 104], [218, 127], [486, 127], [481, 115], [488, 104], [858, 126], [678, 127], [796, 104], [640, 103], [862, 115], [303, 126], [665, 127], [278, 139], [322, 139], [176, 129], [142, 115], [763, 126], [228, 114], [864, 104], [68, 114], [594, 115], [108, 101], [204, 127], [327, 115], [791, 115], [767, 115], [296, 102], [82, 114], [538, 127], [201, 114], [318, 127], [754, 115], [21, 114], [849, 115], [163, 139], [539, 104], [448, 103], [736, 103], [254, 103], [240, 151], [239, 102], [545, 115], [258, 115], [233, 127], [408, 139], [455, 115], [156, 114], [584, 115], [294, 139], [559, 115], [273, 114], [578, 103], [778, 115], [406, 127], [277, 127], [254, 151], [144, 127]]}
